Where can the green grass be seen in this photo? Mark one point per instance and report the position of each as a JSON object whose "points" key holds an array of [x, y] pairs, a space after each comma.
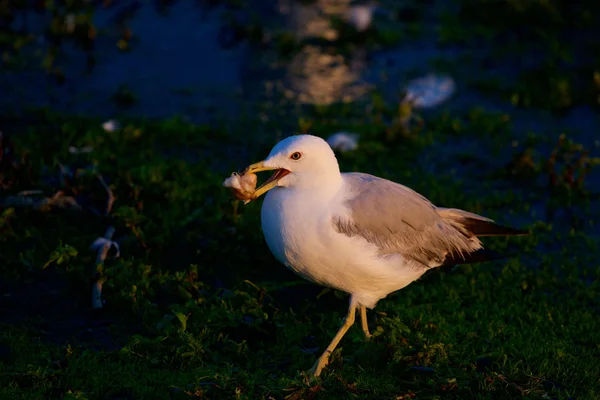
{"points": [[196, 306]]}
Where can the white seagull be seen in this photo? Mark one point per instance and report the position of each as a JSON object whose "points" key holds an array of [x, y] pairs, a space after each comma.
{"points": [[354, 232]]}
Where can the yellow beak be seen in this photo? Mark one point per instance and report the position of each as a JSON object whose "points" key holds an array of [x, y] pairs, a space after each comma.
{"points": [[269, 183]]}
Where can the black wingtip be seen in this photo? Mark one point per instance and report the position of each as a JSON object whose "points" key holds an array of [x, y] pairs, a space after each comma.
{"points": [[481, 255], [486, 228]]}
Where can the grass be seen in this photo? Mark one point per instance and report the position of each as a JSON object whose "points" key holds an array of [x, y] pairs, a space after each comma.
{"points": [[196, 306]]}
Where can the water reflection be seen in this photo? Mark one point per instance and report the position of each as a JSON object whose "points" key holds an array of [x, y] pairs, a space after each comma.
{"points": [[141, 62], [318, 74]]}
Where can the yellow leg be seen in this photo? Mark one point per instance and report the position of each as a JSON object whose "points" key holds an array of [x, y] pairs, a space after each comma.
{"points": [[363, 320], [324, 359]]}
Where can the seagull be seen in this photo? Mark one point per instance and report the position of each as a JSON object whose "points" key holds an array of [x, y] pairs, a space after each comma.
{"points": [[358, 233]]}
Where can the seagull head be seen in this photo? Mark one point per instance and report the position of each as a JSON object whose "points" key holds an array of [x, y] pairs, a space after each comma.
{"points": [[301, 161]]}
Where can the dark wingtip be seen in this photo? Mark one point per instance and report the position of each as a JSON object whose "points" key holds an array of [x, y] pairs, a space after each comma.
{"points": [[486, 228], [477, 256]]}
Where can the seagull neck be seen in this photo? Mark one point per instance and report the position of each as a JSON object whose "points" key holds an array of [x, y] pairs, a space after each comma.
{"points": [[326, 184]]}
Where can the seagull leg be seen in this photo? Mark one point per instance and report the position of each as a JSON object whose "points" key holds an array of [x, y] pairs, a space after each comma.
{"points": [[324, 359], [363, 320]]}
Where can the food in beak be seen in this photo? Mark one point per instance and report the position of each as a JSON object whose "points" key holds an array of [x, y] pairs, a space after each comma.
{"points": [[242, 186]]}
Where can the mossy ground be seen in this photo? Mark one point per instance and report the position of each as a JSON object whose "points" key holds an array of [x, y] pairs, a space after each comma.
{"points": [[196, 306]]}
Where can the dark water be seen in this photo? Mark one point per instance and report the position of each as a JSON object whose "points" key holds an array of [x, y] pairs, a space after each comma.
{"points": [[175, 66], [188, 60]]}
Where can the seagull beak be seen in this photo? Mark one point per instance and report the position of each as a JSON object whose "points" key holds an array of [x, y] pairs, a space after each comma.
{"points": [[269, 183]]}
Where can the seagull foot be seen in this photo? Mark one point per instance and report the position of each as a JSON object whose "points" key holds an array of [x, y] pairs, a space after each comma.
{"points": [[317, 368]]}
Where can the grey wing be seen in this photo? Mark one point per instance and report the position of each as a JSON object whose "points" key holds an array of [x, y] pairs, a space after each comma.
{"points": [[400, 221]]}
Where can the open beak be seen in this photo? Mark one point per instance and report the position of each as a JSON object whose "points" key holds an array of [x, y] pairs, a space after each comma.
{"points": [[269, 183]]}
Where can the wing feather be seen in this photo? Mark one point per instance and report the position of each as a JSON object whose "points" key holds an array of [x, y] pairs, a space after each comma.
{"points": [[400, 221]]}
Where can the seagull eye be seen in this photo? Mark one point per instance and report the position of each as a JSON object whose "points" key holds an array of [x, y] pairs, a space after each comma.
{"points": [[296, 156]]}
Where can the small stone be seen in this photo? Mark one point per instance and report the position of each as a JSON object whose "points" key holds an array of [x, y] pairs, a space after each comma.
{"points": [[111, 125], [343, 141]]}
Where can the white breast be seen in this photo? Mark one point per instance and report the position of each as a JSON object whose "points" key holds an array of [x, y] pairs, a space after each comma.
{"points": [[299, 233]]}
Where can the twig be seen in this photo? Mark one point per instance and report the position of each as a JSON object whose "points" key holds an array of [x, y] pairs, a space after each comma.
{"points": [[550, 164], [138, 236], [65, 174], [103, 249], [27, 199], [109, 192], [97, 280], [582, 167]]}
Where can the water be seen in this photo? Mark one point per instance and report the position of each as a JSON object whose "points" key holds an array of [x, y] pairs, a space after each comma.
{"points": [[176, 67], [179, 65]]}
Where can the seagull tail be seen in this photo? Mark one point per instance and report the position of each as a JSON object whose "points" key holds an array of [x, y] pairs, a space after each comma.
{"points": [[478, 225]]}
